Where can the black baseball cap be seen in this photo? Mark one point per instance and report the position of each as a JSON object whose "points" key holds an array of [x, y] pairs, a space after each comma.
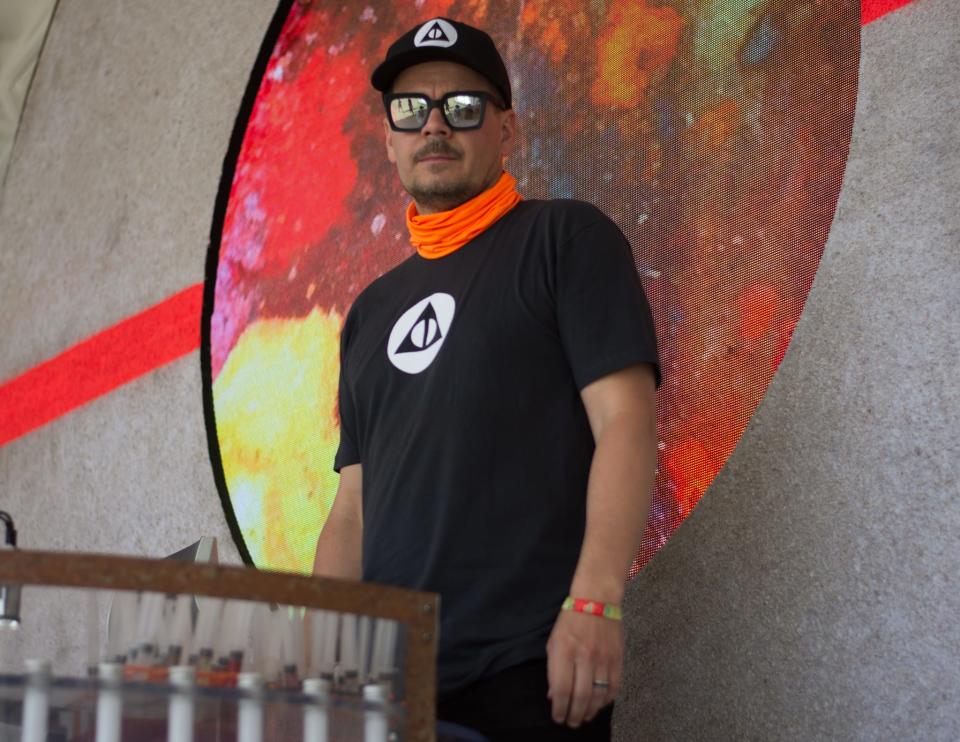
{"points": [[449, 40]]}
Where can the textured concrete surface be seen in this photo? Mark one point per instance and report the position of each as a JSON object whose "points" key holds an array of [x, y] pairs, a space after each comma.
{"points": [[813, 593], [106, 210], [109, 196], [57, 625], [128, 473]]}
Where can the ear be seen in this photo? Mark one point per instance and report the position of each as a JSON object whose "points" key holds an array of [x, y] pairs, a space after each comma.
{"points": [[508, 132], [388, 139]]}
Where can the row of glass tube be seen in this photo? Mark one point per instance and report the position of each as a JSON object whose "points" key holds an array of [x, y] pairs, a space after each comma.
{"points": [[180, 719]]}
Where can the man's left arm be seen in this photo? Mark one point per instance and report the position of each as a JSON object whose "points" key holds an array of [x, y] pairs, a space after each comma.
{"points": [[583, 648]]}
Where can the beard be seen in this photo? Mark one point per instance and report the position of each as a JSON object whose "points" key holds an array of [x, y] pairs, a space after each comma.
{"points": [[440, 196], [437, 197]]}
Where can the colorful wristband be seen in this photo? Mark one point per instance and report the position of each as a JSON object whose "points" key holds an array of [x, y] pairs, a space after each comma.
{"points": [[593, 607]]}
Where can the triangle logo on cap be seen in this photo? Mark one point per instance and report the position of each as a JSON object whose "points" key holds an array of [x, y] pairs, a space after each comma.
{"points": [[437, 32]]}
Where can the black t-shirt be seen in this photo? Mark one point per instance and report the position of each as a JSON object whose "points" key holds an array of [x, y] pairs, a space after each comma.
{"points": [[459, 395]]}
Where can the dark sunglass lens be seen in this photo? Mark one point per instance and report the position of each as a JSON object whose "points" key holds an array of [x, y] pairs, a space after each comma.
{"points": [[408, 112], [463, 111]]}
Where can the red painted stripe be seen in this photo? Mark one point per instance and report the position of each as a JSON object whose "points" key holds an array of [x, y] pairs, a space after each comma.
{"points": [[142, 343], [870, 10], [101, 363]]}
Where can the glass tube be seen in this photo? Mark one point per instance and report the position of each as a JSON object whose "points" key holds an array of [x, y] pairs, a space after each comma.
{"points": [[109, 703], [316, 723], [180, 716], [250, 712], [36, 701], [375, 722]]}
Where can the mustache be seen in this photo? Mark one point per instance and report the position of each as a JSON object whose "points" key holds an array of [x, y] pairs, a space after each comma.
{"points": [[435, 147]]}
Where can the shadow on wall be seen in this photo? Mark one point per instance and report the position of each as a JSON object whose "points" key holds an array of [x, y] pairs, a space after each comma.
{"points": [[23, 28]]}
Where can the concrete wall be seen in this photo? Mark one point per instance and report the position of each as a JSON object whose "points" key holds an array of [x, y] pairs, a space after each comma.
{"points": [[813, 592], [106, 210]]}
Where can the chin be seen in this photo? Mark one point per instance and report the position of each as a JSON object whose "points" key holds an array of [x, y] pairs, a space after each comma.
{"points": [[441, 194]]}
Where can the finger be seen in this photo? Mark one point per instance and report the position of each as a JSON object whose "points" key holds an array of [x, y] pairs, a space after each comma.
{"points": [[599, 696], [560, 681], [582, 691]]}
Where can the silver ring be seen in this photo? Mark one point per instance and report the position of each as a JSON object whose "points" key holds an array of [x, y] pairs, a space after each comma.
{"points": [[601, 683]]}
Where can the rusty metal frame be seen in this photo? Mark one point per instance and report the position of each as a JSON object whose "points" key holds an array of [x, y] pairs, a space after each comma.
{"points": [[417, 611]]}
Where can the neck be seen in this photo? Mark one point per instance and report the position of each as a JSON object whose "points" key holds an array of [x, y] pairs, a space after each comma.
{"points": [[436, 234]]}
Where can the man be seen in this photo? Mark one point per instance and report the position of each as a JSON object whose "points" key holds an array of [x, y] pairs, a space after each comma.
{"points": [[498, 438]]}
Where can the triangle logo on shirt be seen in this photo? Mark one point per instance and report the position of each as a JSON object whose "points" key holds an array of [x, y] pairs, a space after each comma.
{"points": [[424, 333], [416, 338]]}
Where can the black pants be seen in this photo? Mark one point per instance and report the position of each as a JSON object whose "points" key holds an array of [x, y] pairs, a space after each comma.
{"points": [[512, 706]]}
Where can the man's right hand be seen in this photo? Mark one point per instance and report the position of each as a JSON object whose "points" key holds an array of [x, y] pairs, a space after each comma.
{"points": [[340, 542]]}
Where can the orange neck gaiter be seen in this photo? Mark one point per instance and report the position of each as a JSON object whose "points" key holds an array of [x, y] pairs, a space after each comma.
{"points": [[436, 235]]}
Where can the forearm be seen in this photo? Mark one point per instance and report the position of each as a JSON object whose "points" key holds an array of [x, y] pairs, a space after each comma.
{"points": [[340, 545], [618, 498], [339, 549]]}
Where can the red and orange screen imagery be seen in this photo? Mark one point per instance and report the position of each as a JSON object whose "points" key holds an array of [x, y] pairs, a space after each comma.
{"points": [[714, 132]]}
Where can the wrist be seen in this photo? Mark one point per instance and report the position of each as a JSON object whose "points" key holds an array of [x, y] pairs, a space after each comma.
{"points": [[604, 589], [592, 608]]}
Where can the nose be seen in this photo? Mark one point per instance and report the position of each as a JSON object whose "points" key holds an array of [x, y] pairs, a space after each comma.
{"points": [[436, 124]]}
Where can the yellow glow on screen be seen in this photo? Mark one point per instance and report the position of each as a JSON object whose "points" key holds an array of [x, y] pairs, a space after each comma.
{"points": [[276, 400]]}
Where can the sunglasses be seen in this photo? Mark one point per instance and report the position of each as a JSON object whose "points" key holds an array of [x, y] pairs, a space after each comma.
{"points": [[462, 109]]}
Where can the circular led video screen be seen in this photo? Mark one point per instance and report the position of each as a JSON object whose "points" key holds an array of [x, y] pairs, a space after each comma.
{"points": [[714, 132]]}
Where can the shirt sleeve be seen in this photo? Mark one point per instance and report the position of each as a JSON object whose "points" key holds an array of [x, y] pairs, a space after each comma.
{"points": [[348, 452], [602, 312]]}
